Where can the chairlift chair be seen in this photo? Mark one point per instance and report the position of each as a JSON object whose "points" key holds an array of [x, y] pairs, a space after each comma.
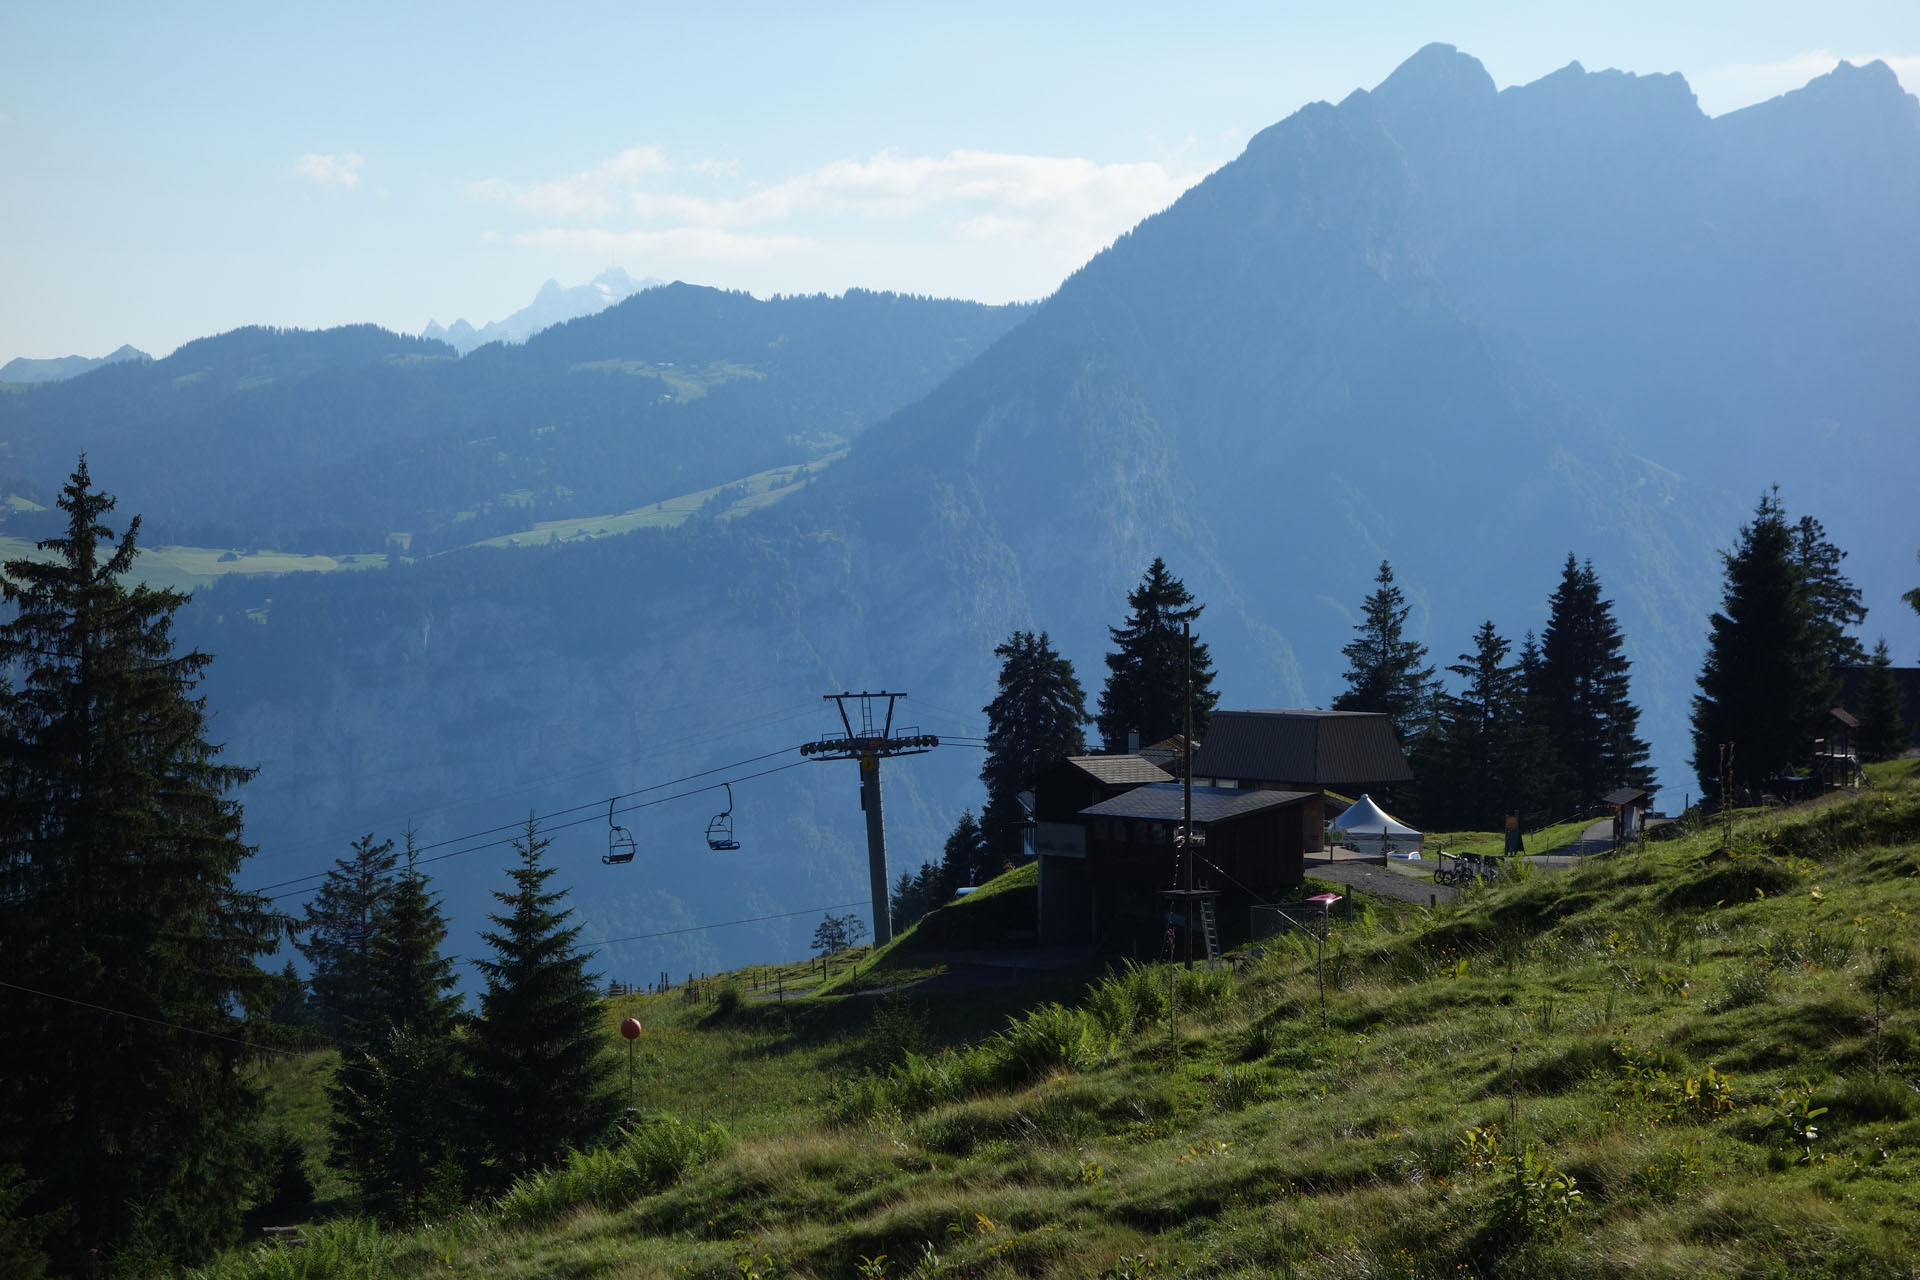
{"points": [[620, 845], [720, 830]]}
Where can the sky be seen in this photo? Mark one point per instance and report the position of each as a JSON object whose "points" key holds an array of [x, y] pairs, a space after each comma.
{"points": [[181, 170]]}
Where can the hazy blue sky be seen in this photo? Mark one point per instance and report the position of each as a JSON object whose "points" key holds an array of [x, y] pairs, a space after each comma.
{"points": [[175, 171]]}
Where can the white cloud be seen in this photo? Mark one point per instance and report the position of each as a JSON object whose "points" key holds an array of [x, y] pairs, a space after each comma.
{"points": [[1728, 88], [330, 171], [969, 223], [595, 192]]}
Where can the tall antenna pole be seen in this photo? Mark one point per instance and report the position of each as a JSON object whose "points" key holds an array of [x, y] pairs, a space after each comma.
{"points": [[1186, 802], [868, 746]]}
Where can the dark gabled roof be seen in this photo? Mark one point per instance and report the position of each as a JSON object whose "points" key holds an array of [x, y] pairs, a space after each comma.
{"points": [[1318, 748], [1120, 771], [1165, 802], [1625, 795]]}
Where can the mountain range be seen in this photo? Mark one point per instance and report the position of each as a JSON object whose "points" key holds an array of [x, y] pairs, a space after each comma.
{"points": [[21, 369], [1463, 329], [552, 305]]}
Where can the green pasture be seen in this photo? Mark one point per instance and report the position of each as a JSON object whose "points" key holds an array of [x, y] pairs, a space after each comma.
{"points": [[1695, 1058]]}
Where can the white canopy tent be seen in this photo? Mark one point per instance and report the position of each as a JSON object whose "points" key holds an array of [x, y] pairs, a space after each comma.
{"points": [[1370, 828]]}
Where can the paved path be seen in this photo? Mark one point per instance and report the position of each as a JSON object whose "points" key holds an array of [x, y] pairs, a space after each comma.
{"points": [[1384, 882]]}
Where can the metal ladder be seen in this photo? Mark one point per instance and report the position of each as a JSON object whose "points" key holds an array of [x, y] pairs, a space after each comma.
{"points": [[1209, 929]]}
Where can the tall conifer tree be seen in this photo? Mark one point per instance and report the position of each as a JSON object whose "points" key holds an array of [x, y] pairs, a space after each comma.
{"points": [[131, 954], [1472, 766], [1146, 685], [1034, 721], [1585, 697], [396, 1126], [1884, 732], [1387, 672], [339, 935], [539, 1083], [1767, 679], [1833, 598]]}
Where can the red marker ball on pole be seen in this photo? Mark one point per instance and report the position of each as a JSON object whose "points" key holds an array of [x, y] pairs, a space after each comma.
{"points": [[631, 1028]]}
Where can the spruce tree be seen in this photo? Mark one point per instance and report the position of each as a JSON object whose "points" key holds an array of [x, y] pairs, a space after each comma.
{"points": [[1034, 722], [396, 1127], [1585, 695], [1471, 765], [129, 954], [1834, 599], [963, 859], [339, 935], [1766, 680], [1884, 732], [1146, 687], [1386, 672], [1539, 778], [539, 1084]]}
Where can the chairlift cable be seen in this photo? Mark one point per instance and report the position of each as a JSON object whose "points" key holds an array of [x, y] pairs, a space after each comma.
{"points": [[262, 891]]}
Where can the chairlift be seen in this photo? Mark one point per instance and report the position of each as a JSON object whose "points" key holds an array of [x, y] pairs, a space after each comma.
{"points": [[620, 845], [720, 830]]}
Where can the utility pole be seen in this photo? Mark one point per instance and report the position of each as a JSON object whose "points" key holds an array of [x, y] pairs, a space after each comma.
{"points": [[1186, 801], [868, 746]]}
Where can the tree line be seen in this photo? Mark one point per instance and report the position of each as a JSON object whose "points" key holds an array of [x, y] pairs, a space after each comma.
{"points": [[136, 1005], [1543, 731]]}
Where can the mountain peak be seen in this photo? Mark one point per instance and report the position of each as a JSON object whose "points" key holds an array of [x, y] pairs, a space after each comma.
{"points": [[1438, 73]]}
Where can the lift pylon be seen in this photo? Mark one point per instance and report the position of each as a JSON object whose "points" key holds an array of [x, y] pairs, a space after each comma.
{"points": [[868, 745]]}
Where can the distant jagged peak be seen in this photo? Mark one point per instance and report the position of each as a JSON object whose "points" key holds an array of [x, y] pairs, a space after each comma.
{"points": [[1573, 87], [1870, 89], [555, 303]]}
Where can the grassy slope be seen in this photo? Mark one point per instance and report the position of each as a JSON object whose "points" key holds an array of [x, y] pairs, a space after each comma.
{"points": [[189, 568], [1573, 1015]]}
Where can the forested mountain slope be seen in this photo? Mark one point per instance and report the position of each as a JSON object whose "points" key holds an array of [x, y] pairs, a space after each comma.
{"points": [[1464, 330], [335, 441]]}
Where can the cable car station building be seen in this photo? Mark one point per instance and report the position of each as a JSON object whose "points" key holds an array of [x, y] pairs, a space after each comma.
{"points": [[1105, 826]]}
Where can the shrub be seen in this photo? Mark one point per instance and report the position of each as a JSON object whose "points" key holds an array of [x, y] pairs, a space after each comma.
{"points": [[1129, 1000], [1743, 987], [655, 1154], [1051, 1038]]}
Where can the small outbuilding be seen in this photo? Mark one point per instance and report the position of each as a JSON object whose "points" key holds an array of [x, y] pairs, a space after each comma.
{"points": [[1629, 812]]}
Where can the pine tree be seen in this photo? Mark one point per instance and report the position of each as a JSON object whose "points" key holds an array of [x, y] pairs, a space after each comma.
{"points": [[1147, 672], [1585, 695], [1471, 763], [963, 860], [1884, 732], [1835, 600], [339, 935], [1386, 672], [1033, 723], [1540, 776], [396, 1127], [1766, 680], [539, 1082], [119, 843]]}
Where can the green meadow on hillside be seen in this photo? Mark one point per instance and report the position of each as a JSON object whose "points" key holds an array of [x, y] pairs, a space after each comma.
{"points": [[1696, 1057], [190, 568]]}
